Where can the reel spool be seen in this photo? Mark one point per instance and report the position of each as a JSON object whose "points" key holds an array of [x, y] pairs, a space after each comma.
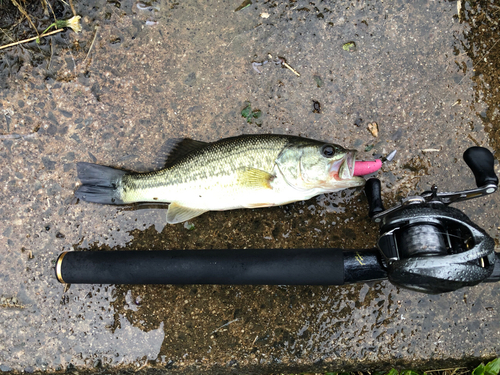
{"points": [[435, 249]]}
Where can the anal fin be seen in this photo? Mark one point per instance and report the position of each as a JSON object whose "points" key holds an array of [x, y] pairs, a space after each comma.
{"points": [[177, 213]]}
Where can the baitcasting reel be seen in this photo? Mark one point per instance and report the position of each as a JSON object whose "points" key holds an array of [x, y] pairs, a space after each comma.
{"points": [[430, 247], [424, 245]]}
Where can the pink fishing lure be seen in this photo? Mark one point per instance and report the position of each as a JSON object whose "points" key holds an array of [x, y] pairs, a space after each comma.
{"points": [[362, 168]]}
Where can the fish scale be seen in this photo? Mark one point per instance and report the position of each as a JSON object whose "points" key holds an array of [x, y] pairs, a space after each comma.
{"points": [[215, 160]]}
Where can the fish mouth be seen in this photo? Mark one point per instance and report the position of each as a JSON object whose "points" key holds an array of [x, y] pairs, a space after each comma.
{"points": [[343, 169]]}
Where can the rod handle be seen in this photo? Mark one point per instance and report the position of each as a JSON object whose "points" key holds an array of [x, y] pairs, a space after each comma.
{"points": [[235, 267], [226, 267]]}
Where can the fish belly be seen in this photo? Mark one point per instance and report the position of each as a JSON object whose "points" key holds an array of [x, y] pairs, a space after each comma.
{"points": [[216, 194]]}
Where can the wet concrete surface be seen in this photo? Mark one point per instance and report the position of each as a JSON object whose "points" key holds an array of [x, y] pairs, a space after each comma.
{"points": [[424, 71]]}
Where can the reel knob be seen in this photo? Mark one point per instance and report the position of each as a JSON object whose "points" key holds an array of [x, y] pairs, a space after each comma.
{"points": [[373, 194], [480, 160]]}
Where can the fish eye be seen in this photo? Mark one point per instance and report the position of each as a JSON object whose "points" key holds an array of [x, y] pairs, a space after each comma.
{"points": [[328, 151]]}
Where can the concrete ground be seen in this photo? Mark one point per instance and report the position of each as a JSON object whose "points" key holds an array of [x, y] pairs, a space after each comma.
{"points": [[424, 71]]}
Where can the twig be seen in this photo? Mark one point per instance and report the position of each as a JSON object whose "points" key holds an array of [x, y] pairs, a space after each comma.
{"points": [[12, 305], [282, 61], [52, 10], [7, 35], [24, 13], [51, 54], [17, 136], [447, 369], [92, 44], [224, 325], [231, 41], [44, 7], [72, 7], [31, 39], [74, 63], [292, 69]]}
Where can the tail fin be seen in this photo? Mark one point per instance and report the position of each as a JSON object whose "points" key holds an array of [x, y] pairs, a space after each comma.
{"points": [[99, 183]]}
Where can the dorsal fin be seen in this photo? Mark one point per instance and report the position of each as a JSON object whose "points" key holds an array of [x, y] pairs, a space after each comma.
{"points": [[174, 149]]}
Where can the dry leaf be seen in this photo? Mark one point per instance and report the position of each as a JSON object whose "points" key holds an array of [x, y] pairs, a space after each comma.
{"points": [[373, 128]]}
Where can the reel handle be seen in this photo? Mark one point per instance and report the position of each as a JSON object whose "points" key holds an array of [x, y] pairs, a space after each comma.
{"points": [[373, 195], [480, 160]]}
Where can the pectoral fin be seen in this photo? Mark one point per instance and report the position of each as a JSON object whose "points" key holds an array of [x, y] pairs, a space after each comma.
{"points": [[177, 213], [256, 178]]}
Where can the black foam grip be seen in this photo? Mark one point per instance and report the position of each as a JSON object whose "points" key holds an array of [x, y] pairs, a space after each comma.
{"points": [[251, 267], [480, 160], [373, 194]]}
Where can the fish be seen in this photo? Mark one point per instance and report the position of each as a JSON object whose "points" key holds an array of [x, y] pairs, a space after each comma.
{"points": [[246, 171]]}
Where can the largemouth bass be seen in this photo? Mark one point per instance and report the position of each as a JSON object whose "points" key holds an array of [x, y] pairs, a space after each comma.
{"points": [[247, 171]]}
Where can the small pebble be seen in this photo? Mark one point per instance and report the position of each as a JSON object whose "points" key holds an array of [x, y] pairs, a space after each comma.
{"points": [[316, 107], [188, 225], [349, 47]]}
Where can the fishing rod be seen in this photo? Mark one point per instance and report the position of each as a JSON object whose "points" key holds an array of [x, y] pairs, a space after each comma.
{"points": [[424, 245]]}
